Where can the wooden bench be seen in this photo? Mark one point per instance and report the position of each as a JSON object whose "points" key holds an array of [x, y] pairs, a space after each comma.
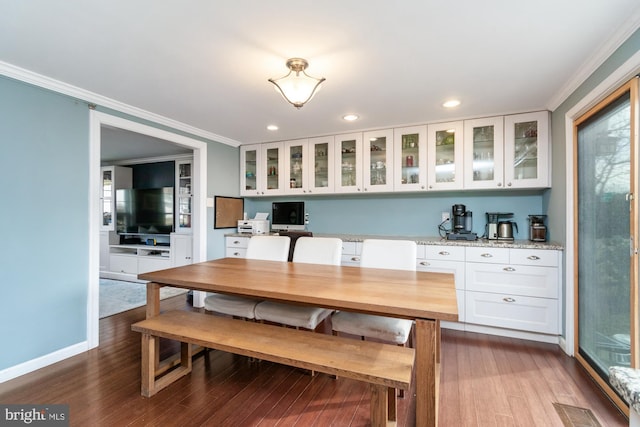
{"points": [[384, 366]]}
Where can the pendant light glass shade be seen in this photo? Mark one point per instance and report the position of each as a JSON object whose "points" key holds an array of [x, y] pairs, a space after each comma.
{"points": [[297, 87]]}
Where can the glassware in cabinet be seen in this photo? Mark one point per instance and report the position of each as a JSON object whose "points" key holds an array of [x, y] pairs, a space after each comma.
{"points": [[295, 164], [378, 160], [348, 163], [184, 195], [410, 155], [249, 169], [445, 154], [321, 164]]}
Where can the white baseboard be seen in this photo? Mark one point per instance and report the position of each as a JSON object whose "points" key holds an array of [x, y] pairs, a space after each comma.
{"points": [[43, 361]]}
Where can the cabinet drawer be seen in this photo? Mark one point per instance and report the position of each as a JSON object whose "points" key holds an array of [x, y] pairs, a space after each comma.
{"points": [[542, 257], [147, 264], [512, 312], [350, 259], [488, 255], [351, 248], [237, 242], [444, 253], [124, 263], [512, 279], [455, 267], [236, 252]]}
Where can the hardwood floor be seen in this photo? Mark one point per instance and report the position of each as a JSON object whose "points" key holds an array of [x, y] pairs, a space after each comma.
{"points": [[485, 381]]}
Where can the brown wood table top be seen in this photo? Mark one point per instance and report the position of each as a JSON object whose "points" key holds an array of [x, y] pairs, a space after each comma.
{"points": [[395, 293]]}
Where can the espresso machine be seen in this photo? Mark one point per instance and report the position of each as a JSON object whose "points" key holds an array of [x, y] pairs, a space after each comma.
{"points": [[462, 224], [499, 226]]}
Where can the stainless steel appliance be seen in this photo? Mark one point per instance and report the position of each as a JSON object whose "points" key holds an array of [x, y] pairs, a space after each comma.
{"points": [[462, 224], [537, 229], [499, 227]]}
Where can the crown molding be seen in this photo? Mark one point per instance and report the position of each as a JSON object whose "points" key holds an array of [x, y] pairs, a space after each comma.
{"points": [[598, 58], [45, 82]]}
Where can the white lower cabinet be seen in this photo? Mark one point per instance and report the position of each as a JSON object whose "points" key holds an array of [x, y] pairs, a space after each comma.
{"points": [[516, 289], [236, 247], [351, 253], [123, 264]]}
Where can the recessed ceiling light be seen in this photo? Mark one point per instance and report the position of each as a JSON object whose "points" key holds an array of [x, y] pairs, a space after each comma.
{"points": [[451, 103], [350, 117], [272, 127]]}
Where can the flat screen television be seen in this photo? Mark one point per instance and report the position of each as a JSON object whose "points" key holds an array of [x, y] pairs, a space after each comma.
{"points": [[287, 216], [144, 211]]}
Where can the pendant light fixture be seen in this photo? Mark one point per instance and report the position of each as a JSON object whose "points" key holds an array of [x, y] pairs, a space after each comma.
{"points": [[297, 87]]}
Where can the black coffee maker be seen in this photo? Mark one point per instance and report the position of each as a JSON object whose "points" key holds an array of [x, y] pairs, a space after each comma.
{"points": [[462, 224]]}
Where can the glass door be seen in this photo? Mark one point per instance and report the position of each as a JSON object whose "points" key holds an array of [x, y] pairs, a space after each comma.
{"points": [[321, 164], [606, 236], [108, 193], [249, 175], [526, 150], [378, 160], [410, 158], [295, 165], [272, 165], [445, 156], [484, 150], [184, 196], [348, 163]]}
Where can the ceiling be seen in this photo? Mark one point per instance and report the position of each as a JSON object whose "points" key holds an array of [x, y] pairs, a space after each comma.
{"points": [[206, 63]]}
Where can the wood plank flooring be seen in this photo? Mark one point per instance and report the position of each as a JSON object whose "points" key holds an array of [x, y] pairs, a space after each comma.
{"points": [[485, 381]]}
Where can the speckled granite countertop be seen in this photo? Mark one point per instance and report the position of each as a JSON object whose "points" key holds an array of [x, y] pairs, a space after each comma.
{"points": [[427, 240]]}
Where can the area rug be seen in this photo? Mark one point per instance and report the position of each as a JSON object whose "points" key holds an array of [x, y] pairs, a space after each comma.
{"points": [[117, 296], [573, 416]]}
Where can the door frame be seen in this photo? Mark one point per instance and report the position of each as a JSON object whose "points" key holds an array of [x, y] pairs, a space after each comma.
{"points": [[96, 120]]}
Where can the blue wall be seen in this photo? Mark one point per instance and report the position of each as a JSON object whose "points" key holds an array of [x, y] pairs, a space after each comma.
{"points": [[45, 209], [407, 214]]}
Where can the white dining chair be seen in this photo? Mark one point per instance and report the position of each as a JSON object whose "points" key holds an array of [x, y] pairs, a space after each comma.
{"points": [[268, 248], [386, 254], [311, 250]]}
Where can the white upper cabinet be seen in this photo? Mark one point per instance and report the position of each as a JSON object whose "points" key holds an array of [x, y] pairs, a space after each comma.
{"points": [[261, 169], [296, 159], [112, 178], [484, 153], [321, 166], [378, 160], [184, 196], [526, 150], [445, 156], [410, 158], [348, 161]]}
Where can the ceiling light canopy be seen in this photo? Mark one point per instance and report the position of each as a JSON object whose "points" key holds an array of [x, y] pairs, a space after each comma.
{"points": [[297, 87]]}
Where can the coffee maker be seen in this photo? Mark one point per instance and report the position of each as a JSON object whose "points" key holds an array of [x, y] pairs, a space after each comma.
{"points": [[499, 227], [462, 224], [537, 229]]}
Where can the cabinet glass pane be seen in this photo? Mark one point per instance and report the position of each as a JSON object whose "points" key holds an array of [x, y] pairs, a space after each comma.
{"points": [[185, 170], [272, 168], [107, 197], [250, 165], [445, 156], [410, 159], [295, 160], [348, 162], [525, 161], [483, 153], [378, 165], [184, 207], [321, 165]]}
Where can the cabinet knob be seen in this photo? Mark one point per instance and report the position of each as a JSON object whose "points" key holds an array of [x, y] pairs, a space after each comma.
{"points": [[445, 253], [486, 255], [509, 185], [509, 269], [533, 257], [508, 299], [425, 263], [499, 184]]}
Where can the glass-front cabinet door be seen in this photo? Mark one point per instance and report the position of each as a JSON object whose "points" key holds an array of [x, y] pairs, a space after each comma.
{"points": [[295, 166], [445, 155], [320, 167], [108, 193], [249, 162], [483, 153], [526, 150], [378, 160], [184, 195], [272, 167], [410, 158], [348, 162]]}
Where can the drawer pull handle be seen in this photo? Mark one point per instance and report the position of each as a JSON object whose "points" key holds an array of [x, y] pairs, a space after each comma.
{"points": [[235, 242], [445, 253], [508, 299], [355, 258], [533, 257], [486, 255], [425, 263], [509, 269], [236, 254]]}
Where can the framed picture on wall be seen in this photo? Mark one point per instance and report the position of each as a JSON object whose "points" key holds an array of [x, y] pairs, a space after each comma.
{"points": [[228, 211]]}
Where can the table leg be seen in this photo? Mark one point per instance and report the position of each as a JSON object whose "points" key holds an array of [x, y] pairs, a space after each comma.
{"points": [[427, 372], [153, 309]]}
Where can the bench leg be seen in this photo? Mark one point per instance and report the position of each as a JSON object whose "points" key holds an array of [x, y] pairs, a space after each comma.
{"points": [[392, 402], [149, 384], [379, 401]]}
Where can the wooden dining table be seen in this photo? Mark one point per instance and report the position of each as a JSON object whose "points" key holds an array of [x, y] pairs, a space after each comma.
{"points": [[425, 297]]}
